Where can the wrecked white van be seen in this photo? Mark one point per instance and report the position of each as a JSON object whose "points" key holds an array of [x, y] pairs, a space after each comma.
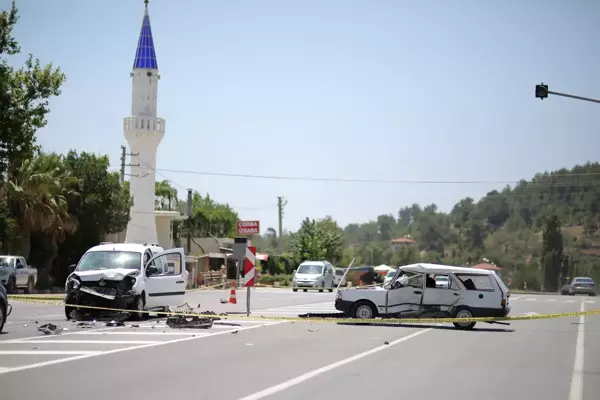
{"points": [[413, 293], [126, 276]]}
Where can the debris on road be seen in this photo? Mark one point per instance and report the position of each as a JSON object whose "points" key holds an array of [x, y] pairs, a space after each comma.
{"points": [[180, 320], [49, 329], [115, 323]]}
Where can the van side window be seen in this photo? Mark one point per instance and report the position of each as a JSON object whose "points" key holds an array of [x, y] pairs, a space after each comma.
{"points": [[476, 282]]}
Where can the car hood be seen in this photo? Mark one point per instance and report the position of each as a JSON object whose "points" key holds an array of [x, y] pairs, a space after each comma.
{"points": [[115, 274]]}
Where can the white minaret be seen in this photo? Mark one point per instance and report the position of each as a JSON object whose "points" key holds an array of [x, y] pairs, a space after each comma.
{"points": [[143, 132]]}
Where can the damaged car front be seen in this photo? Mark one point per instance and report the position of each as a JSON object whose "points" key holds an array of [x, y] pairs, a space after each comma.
{"points": [[107, 280]]}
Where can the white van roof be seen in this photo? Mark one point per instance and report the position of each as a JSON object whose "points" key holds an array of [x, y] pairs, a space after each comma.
{"points": [[134, 247], [313, 262], [426, 268]]}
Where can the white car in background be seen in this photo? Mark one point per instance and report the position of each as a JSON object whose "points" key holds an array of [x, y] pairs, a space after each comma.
{"points": [[313, 275], [127, 276], [388, 278]]}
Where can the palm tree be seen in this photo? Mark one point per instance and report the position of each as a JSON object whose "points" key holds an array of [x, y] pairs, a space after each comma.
{"points": [[37, 197]]}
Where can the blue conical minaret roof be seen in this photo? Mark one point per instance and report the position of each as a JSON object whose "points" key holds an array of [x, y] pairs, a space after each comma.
{"points": [[145, 55]]}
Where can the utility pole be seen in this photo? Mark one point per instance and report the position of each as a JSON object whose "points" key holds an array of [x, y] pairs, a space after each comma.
{"points": [[189, 221], [124, 154], [280, 204], [542, 92]]}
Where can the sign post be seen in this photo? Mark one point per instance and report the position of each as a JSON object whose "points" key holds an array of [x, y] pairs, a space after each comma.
{"points": [[249, 274]]}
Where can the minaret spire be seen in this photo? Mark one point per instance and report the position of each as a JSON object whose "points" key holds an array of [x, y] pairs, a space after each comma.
{"points": [[145, 54]]}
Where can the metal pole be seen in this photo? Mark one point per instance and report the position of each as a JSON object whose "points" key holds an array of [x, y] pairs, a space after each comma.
{"points": [[574, 97], [247, 301]]}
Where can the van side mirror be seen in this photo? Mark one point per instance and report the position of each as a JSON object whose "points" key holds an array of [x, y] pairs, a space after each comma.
{"points": [[71, 268], [151, 270]]}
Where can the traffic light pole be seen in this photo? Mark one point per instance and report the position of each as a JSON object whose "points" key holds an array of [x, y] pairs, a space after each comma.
{"points": [[542, 92], [574, 97]]}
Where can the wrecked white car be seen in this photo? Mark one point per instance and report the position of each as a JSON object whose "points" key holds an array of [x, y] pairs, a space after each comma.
{"points": [[416, 291], [126, 276]]}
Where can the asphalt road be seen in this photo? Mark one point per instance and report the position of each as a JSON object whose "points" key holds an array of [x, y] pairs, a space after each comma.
{"points": [[540, 359]]}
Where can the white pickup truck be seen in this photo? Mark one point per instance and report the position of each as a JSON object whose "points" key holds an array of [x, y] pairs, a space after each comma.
{"points": [[15, 274]]}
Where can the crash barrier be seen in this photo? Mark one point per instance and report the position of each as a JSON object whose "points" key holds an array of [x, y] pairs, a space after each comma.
{"points": [[331, 318]]}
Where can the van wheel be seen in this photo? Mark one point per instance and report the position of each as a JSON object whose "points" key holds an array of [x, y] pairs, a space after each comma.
{"points": [[294, 290], [322, 287], [463, 312], [363, 310], [305, 290], [332, 287], [2, 316], [137, 307]]}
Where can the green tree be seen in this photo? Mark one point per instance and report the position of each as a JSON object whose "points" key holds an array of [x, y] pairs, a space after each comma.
{"points": [[317, 240], [552, 252], [24, 96]]}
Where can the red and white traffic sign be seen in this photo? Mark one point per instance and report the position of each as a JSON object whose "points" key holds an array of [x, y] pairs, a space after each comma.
{"points": [[250, 266], [247, 228]]}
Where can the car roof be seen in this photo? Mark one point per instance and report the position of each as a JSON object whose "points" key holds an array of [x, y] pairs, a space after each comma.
{"points": [[583, 277], [426, 268], [135, 247], [313, 262]]}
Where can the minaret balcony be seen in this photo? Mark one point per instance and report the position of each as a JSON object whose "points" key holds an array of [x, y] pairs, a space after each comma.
{"points": [[141, 124]]}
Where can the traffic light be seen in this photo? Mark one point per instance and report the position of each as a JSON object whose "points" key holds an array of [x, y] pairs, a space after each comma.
{"points": [[541, 91]]}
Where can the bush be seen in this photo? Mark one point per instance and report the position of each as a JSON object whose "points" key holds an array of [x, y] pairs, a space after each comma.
{"points": [[283, 279]]}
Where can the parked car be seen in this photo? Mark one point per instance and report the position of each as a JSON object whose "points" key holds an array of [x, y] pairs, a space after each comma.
{"points": [[580, 285], [16, 274], [5, 308], [338, 273], [413, 293], [313, 275], [127, 276]]}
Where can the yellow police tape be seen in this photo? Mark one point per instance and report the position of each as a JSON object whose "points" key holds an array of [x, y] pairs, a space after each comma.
{"points": [[331, 320]]}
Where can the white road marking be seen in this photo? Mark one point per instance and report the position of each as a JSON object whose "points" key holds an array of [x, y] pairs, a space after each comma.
{"points": [[569, 301], [81, 357], [530, 313], [590, 301], [319, 371], [530, 299], [140, 333], [515, 298], [26, 339], [576, 392], [46, 352], [551, 300], [90, 341]]}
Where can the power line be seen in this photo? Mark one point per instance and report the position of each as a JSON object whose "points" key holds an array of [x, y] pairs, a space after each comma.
{"points": [[384, 181]]}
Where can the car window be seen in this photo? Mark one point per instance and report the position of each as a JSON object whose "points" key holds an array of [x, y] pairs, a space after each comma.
{"points": [[414, 279], [476, 282], [310, 269], [95, 260], [584, 280]]}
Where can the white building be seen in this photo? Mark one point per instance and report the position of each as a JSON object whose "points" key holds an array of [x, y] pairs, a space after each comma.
{"points": [[144, 131]]}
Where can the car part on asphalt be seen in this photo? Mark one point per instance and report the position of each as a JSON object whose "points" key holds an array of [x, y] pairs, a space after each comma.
{"points": [[50, 329], [181, 318]]}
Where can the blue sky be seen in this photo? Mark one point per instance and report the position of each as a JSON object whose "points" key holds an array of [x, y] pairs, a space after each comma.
{"points": [[380, 89]]}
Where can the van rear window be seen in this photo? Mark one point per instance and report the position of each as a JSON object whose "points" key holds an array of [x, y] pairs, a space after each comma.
{"points": [[476, 282]]}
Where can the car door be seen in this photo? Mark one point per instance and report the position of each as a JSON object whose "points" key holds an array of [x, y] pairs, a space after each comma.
{"points": [[479, 291], [405, 298], [442, 296], [329, 276], [168, 288], [21, 271]]}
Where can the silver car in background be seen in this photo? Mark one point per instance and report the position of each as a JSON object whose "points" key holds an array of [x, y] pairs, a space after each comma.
{"points": [[580, 285]]}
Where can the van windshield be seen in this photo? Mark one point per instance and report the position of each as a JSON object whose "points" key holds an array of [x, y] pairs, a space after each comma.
{"points": [[310, 269], [95, 260]]}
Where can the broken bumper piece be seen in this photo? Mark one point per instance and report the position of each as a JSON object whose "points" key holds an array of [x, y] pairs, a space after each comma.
{"points": [[182, 318]]}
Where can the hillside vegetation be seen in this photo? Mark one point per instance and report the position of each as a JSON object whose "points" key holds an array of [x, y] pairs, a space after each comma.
{"points": [[539, 231]]}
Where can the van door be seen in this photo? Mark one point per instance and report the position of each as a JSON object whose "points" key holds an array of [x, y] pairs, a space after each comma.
{"points": [[168, 288], [443, 296], [405, 298], [480, 292]]}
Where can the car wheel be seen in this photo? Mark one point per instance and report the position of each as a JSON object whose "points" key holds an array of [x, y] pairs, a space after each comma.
{"points": [[138, 306], [11, 286], [305, 290], [363, 310], [2, 316], [294, 290], [30, 285], [463, 312]]}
